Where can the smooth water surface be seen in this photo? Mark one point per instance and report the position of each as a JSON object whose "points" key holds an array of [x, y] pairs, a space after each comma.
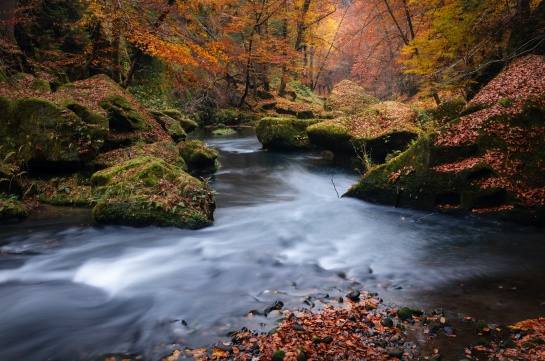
{"points": [[71, 290]]}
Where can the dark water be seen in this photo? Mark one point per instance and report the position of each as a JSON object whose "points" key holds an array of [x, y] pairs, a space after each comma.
{"points": [[71, 290]]}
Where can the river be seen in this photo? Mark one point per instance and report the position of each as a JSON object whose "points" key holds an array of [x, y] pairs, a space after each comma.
{"points": [[71, 290]]}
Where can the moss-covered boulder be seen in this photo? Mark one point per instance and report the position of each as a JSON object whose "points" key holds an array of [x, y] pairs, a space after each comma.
{"points": [[380, 130], [170, 125], [44, 133], [489, 161], [198, 157], [284, 133], [128, 121], [11, 210], [165, 150], [149, 191], [187, 124], [349, 98]]}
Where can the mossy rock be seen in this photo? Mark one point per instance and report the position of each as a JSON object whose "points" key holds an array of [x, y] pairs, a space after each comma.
{"points": [[35, 83], [229, 117], [122, 114], [187, 124], [448, 110], [198, 157], [224, 131], [165, 150], [284, 133], [128, 121], [11, 210], [51, 135], [170, 125], [349, 98], [148, 191], [488, 162], [380, 130]]}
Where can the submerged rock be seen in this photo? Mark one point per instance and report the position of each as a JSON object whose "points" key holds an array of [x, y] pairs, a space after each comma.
{"points": [[488, 161], [148, 191], [284, 133]]}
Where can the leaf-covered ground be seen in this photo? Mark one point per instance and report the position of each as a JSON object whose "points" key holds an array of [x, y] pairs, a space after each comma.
{"points": [[380, 119], [509, 102], [364, 328]]}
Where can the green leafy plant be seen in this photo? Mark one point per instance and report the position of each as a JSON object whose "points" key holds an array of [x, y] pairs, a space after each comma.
{"points": [[9, 168]]}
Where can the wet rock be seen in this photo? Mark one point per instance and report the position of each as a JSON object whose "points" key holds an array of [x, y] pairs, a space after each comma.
{"points": [[396, 352], [387, 322], [448, 330], [223, 347], [354, 295], [328, 339], [299, 328], [277, 306]]}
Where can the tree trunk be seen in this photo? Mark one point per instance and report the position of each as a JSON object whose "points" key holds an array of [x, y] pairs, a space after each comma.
{"points": [[139, 53], [301, 27], [7, 17]]}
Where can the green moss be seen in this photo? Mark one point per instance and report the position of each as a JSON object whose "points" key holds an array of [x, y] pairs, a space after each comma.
{"points": [[506, 102], [187, 124], [278, 355], [40, 130], [198, 156], [330, 135], [122, 114], [406, 313], [170, 125], [224, 131], [284, 133], [448, 110], [165, 150], [149, 191], [509, 344]]}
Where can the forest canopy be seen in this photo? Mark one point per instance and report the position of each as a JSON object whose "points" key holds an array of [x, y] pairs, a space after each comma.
{"points": [[220, 52]]}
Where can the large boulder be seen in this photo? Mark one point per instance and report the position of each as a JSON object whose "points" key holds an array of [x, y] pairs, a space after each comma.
{"points": [[284, 133], [128, 121], [349, 98], [488, 161], [380, 130], [149, 191], [45, 134], [165, 150]]}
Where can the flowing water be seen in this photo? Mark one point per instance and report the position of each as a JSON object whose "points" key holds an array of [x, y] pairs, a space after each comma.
{"points": [[72, 290]]}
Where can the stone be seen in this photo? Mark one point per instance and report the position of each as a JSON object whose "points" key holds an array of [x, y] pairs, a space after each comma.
{"points": [[128, 195], [284, 133]]}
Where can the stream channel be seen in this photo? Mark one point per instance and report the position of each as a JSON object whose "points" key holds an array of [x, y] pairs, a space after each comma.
{"points": [[72, 290]]}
